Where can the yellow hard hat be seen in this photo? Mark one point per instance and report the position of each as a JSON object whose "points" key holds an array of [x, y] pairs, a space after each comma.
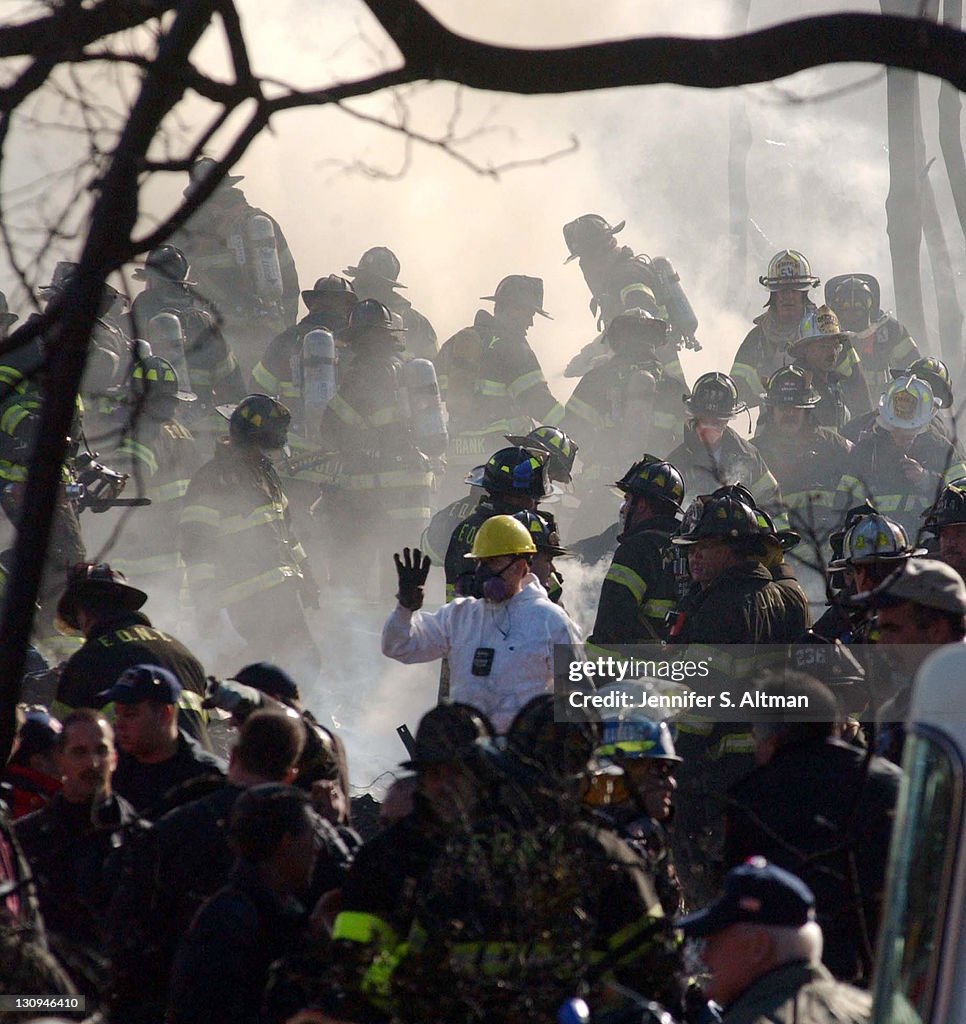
{"points": [[502, 535]]}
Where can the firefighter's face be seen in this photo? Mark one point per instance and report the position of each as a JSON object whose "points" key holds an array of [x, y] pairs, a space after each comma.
{"points": [[517, 318], [143, 729], [952, 546], [87, 760], [710, 429], [654, 783], [734, 956], [822, 355], [854, 317], [789, 421], [789, 305], [542, 566], [450, 790], [709, 558]]}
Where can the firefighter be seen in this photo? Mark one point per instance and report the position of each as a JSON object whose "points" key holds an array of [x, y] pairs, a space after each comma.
{"points": [[543, 530], [789, 279], [329, 303], [242, 263], [644, 749], [620, 281], [807, 459], [947, 521], [628, 405], [201, 355], [712, 454], [878, 337], [514, 480], [736, 600], [640, 589], [382, 487], [899, 464], [826, 355], [238, 544], [561, 449], [376, 276], [489, 376], [936, 375], [160, 455], [100, 604]]}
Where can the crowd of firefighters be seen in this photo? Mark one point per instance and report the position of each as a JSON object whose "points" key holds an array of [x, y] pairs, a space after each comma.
{"points": [[528, 862]]}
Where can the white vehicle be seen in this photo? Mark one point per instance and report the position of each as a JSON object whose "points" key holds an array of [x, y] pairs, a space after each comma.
{"points": [[921, 971]]}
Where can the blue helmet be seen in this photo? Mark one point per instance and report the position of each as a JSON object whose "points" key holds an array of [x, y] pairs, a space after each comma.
{"points": [[630, 737]]}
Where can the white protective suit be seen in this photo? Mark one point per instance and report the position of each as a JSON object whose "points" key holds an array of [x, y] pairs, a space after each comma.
{"points": [[521, 633]]}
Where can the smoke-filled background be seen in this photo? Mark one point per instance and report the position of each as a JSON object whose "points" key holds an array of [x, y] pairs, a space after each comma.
{"points": [[657, 157]]}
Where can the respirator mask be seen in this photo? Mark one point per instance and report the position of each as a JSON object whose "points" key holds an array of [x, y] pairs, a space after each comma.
{"points": [[490, 585]]}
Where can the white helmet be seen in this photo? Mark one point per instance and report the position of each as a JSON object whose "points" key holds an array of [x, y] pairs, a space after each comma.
{"points": [[907, 404]]}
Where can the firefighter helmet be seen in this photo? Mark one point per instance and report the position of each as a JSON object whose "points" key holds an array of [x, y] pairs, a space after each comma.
{"points": [[789, 270], [876, 537], [722, 514], [370, 315], [935, 373], [790, 388], [588, 234], [652, 477], [544, 533], [90, 583], [950, 507], [260, 421], [818, 325], [156, 377], [907, 404], [561, 448], [714, 394], [168, 262], [520, 291], [521, 471], [629, 735], [448, 733], [851, 292], [502, 535], [544, 735], [628, 330], [334, 290], [378, 262], [836, 538]]}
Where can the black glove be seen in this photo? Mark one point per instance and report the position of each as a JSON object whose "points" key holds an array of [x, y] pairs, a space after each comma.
{"points": [[412, 570]]}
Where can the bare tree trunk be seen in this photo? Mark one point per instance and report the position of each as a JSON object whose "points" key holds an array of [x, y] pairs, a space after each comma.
{"points": [[944, 281], [950, 140], [739, 145], [107, 246]]}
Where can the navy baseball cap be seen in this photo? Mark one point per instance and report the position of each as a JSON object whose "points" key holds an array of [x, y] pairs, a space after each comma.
{"points": [[755, 892], [143, 682], [270, 679]]}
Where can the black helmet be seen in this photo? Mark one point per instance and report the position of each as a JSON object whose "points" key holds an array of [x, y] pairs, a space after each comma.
{"points": [[790, 388], [561, 448], [519, 471], [653, 478], [722, 514], [371, 315], [714, 394], [543, 530], [334, 290], [836, 538], [950, 507], [588, 234], [634, 327], [849, 291], [448, 733], [541, 735], [935, 373], [167, 261], [377, 262], [156, 377], [260, 421]]}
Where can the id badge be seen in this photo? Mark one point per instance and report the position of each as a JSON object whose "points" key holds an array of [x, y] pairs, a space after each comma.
{"points": [[483, 660]]}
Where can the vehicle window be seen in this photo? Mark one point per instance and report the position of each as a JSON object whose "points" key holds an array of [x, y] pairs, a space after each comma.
{"points": [[922, 857]]}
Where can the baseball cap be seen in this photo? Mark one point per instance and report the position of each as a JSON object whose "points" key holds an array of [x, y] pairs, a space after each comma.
{"points": [[143, 682], [270, 679], [924, 581], [755, 892]]}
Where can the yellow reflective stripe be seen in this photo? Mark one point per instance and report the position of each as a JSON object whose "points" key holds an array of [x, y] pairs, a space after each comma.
{"points": [[733, 743], [341, 408], [200, 572], [954, 472], [748, 375], [356, 926], [133, 567], [584, 410], [658, 607], [201, 514], [139, 451], [13, 417], [765, 486], [191, 701], [299, 552], [804, 499], [524, 382], [625, 577], [265, 379], [637, 286], [674, 370], [256, 584], [260, 516], [11, 377], [12, 471], [168, 492], [556, 415], [695, 727], [491, 388], [848, 362]]}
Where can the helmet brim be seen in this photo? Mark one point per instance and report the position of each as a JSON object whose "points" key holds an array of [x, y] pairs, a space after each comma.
{"points": [[355, 272], [536, 309]]}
